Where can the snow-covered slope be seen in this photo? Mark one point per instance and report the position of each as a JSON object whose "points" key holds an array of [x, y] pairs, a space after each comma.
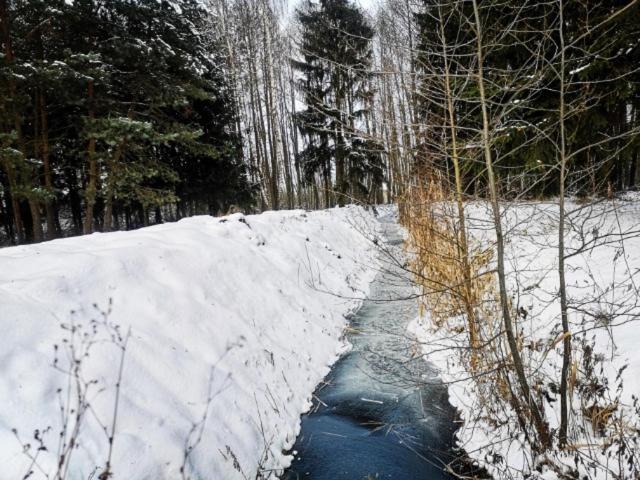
{"points": [[231, 330]]}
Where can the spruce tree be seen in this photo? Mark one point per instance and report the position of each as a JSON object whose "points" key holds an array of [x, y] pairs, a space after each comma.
{"points": [[336, 68], [112, 110]]}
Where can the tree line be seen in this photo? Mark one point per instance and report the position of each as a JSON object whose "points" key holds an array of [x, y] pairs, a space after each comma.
{"points": [[117, 114], [521, 61], [112, 111]]}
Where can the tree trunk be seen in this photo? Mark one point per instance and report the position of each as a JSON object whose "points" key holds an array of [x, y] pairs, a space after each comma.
{"points": [[48, 175], [112, 167], [540, 425], [5, 212], [92, 182], [340, 160], [566, 351], [34, 205], [272, 130], [36, 219], [15, 205], [463, 247], [294, 139], [12, 175]]}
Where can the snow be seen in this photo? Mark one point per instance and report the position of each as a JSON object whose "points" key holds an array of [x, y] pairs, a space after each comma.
{"points": [[579, 69], [602, 279], [231, 329]]}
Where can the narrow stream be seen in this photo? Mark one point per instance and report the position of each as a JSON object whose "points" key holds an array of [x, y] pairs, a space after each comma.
{"points": [[381, 412]]}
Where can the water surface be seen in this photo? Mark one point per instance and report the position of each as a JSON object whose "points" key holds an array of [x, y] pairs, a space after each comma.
{"points": [[381, 412]]}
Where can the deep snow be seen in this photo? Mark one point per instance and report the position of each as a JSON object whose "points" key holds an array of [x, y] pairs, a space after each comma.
{"points": [[603, 291], [233, 309]]}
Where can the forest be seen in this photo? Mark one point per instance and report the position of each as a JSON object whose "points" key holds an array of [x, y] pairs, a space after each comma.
{"points": [[425, 210], [118, 114]]}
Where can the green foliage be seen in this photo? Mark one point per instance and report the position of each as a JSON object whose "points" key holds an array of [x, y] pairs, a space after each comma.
{"points": [[521, 70], [138, 80], [336, 69]]}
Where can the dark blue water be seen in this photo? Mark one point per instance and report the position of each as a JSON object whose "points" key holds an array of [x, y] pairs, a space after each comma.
{"points": [[381, 412]]}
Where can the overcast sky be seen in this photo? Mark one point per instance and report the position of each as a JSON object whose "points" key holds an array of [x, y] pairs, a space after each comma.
{"points": [[368, 4]]}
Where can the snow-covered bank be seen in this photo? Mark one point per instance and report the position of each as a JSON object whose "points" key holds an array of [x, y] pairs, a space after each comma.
{"points": [[232, 310], [603, 274]]}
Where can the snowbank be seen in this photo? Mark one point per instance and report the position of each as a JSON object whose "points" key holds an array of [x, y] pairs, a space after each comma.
{"points": [[231, 330], [603, 289]]}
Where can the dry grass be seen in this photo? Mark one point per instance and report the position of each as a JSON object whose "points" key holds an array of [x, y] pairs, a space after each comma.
{"points": [[437, 253], [460, 294]]}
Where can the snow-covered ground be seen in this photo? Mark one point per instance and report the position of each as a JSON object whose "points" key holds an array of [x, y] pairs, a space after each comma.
{"points": [[603, 282], [231, 329]]}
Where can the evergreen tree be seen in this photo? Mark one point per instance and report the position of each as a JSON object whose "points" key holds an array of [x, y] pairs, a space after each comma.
{"points": [[111, 110], [336, 68], [521, 68]]}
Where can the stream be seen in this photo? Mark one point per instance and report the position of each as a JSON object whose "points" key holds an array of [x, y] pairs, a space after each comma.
{"points": [[381, 413]]}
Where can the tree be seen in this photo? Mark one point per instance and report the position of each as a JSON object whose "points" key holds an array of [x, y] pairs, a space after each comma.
{"points": [[335, 46], [112, 108]]}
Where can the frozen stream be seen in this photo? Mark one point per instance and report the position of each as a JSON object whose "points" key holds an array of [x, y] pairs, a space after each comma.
{"points": [[380, 413]]}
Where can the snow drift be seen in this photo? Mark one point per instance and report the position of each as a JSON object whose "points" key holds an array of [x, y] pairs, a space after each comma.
{"points": [[231, 328]]}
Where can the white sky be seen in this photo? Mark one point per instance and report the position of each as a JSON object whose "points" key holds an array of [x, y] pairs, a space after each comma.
{"points": [[366, 4]]}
